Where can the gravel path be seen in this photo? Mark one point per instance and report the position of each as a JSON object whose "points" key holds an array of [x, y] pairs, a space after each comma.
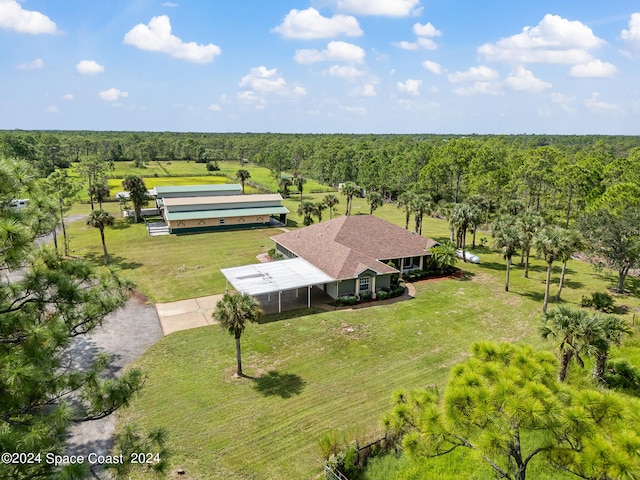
{"points": [[124, 336]]}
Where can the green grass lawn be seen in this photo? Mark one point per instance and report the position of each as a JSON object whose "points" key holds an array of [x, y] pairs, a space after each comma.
{"points": [[313, 370]]}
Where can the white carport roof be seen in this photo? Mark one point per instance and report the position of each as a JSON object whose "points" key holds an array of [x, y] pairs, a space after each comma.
{"points": [[270, 277]]}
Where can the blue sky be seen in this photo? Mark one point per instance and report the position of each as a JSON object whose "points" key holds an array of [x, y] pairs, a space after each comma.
{"points": [[322, 66]]}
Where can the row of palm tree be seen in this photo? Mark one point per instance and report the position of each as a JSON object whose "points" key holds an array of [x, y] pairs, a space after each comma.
{"points": [[580, 334], [416, 204], [527, 231], [307, 208]]}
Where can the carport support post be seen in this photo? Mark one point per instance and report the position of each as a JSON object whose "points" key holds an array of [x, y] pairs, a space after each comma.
{"points": [[309, 296], [279, 302]]}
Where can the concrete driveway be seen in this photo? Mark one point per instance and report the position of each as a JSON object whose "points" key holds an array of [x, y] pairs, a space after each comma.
{"points": [[184, 314]]}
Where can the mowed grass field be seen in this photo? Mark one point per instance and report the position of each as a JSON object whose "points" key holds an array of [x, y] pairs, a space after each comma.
{"points": [[313, 370], [177, 172]]}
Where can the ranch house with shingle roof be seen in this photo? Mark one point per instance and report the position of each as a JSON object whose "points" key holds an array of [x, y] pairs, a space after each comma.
{"points": [[360, 253]]}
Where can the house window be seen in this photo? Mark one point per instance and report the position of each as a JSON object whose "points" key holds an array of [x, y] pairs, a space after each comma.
{"points": [[365, 284], [221, 221]]}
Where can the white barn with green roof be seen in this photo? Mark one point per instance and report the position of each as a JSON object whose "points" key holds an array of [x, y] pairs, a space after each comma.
{"points": [[196, 208]]}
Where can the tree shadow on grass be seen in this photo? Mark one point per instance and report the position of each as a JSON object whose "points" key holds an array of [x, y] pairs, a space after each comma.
{"points": [[495, 266], [572, 284], [283, 385], [537, 296], [115, 261]]}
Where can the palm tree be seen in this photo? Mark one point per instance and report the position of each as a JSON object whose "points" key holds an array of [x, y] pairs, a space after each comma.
{"points": [[480, 203], [349, 189], [444, 255], [233, 312], [551, 243], [307, 209], [319, 208], [613, 329], [330, 200], [420, 205], [462, 216], [405, 200], [99, 192], [375, 200], [567, 327], [299, 183], [506, 237], [285, 183], [242, 176], [528, 224], [137, 193], [574, 245], [100, 219]]}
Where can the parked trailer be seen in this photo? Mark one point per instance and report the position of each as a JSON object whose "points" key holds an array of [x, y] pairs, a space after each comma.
{"points": [[470, 257]]}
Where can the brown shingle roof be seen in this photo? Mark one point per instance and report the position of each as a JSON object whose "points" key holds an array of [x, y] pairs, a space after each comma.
{"points": [[347, 245]]}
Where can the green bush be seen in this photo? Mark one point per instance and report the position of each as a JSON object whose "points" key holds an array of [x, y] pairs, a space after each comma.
{"points": [[212, 166], [396, 292], [382, 295], [274, 254], [601, 301], [347, 300], [366, 296]]}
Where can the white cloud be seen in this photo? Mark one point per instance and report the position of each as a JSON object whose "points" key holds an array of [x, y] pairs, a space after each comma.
{"points": [[411, 86], [36, 64], [553, 40], [366, 90], [361, 111], [389, 8], [344, 71], [594, 69], [474, 74], [421, 42], [156, 36], [250, 98], [598, 106], [424, 34], [214, 107], [335, 52], [14, 17], [262, 81], [169, 4], [426, 30], [113, 94], [633, 34], [565, 102], [432, 67], [309, 24], [478, 88], [523, 80], [68, 96], [89, 67], [481, 81], [53, 109]]}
